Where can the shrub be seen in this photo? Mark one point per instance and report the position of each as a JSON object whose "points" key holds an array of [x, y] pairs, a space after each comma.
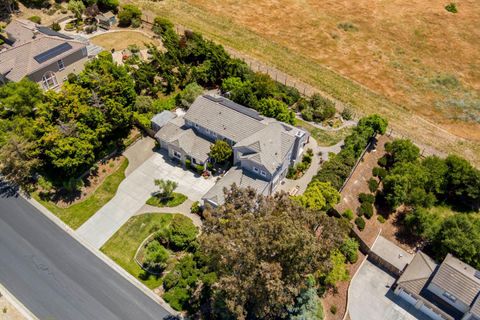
{"points": [[35, 19], [56, 26], [199, 168], [382, 162], [366, 209], [451, 7], [307, 114], [333, 309], [348, 214], [155, 256], [188, 163], [195, 208], [360, 222], [372, 185], [347, 26], [349, 249], [381, 219], [136, 23], [347, 113], [128, 14], [69, 27], [177, 297], [379, 172], [366, 198], [182, 232]]}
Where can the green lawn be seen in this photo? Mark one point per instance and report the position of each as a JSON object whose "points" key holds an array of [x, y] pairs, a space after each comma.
{"points": [[324, 138], [76, 214], [122, 246], [177, 200]]}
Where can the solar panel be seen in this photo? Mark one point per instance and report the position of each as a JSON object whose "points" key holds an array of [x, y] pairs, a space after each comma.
{"points": [[51, 53]]}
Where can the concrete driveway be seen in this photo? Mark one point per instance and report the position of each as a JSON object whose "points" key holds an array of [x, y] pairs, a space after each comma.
{"points": [[370, 297], [134, 191]]}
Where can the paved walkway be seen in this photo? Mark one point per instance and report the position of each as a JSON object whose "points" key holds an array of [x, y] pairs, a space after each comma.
{"points": [[318, 153], [134, 191]]}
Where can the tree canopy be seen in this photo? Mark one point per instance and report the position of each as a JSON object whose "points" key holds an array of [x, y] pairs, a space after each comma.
{"points": [[220, 151]]}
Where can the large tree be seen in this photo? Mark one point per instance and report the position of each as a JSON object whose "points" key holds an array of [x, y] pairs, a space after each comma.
{"points": [[262, 250], [220, 151], [18, 160]]}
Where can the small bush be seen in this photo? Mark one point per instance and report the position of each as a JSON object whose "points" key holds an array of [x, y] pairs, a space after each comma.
{"points": [[372, 185], [366, 198], [56, 26], [136, 23], [333, 309], [382, 162], [35, 19], [366, 209], [69, 27], [155, 256], [381, 219], [347, 26], [195, 208], [451, 7], [379, 172], [177, 297], [347, 113], [199, 168], [349, 249], [188, 163], [348, 214], [360, 222], [183, 232]]}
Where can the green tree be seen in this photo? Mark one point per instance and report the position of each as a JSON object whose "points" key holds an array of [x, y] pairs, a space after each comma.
{"points": [[165, 188], [339, 270], [259, 274], [437, 174], [463, 182], [271, 107], [20, 98], [319, 196], [308, 304], [349, 249], [106, 5], [77, 8], [18, 160], [189, 94], [402, 150], [155, 256], [220, 151], [182, 232], [376, 122], [128, 14]]}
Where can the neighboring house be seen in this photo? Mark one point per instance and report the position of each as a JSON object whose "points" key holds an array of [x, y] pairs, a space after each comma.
{"points": [[447, 291], [40, 54], [106, 20], [263, 148]]}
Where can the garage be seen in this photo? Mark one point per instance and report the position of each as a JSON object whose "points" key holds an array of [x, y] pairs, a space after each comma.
{"points": [[429, 312]]}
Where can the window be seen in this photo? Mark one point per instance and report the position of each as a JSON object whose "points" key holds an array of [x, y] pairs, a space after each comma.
{"points": [[49, 80], [196, 125], [255, 169], [449, 296], [263, 173], [177, 155], [61, 65]]}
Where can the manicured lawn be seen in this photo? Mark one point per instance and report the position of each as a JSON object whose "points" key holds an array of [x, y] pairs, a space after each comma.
{"points": [[122, 39], [325, 138], [122, 246], [76, 214], [177, 200]]}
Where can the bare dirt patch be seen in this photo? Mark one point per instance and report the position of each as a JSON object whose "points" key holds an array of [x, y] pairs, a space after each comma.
{"points": [[8, 311]]}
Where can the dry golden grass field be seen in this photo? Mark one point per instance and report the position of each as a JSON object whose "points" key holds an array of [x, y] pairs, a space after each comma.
{"points": [[411, 61]]}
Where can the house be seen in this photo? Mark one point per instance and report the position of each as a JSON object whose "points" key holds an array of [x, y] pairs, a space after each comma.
{"points": [[40, 54], [449, 291], [263, 148], [106, 20]]}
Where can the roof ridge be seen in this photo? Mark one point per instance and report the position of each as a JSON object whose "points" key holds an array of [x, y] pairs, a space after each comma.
{"points": [[422, 255]]}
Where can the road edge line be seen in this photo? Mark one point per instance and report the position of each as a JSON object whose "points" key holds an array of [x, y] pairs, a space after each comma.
{"points": [[22, 309], [112, 264]]}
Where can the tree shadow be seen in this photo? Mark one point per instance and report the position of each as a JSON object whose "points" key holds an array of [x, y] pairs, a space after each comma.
{"points": [[8, 190]]}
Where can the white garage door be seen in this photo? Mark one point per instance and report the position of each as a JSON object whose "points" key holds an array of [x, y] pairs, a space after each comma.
{"points": [[429, 312], [405, 296]]}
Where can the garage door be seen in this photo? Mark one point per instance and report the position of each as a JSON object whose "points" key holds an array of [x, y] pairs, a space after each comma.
{"points": [[405, 296], [429, 312]]}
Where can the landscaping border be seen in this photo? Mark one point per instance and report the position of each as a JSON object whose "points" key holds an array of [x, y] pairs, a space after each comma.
{"points": [[135, 257]]}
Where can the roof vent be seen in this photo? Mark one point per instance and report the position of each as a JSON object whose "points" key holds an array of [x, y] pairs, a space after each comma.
{"points": [[477, 274]]}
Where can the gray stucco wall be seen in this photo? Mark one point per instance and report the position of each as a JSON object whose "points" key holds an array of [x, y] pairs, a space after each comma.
{"points": [[73, 63]]}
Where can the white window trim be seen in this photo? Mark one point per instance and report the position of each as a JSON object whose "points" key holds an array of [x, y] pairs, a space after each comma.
{"points": [[255, 169], [49, 80], [177, 155], [61, 65], [449, 296], [263, 173]]}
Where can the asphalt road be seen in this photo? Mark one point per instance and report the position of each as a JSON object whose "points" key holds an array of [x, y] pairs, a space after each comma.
{"points": [[56, 277]]}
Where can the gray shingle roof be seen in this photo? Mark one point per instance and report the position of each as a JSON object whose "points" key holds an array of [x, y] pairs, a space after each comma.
{"points": [[215, 115], [458, 279], [162, 118], [270, 145], [186, 139], [20, 59], [241, 178], [417, 273]]}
